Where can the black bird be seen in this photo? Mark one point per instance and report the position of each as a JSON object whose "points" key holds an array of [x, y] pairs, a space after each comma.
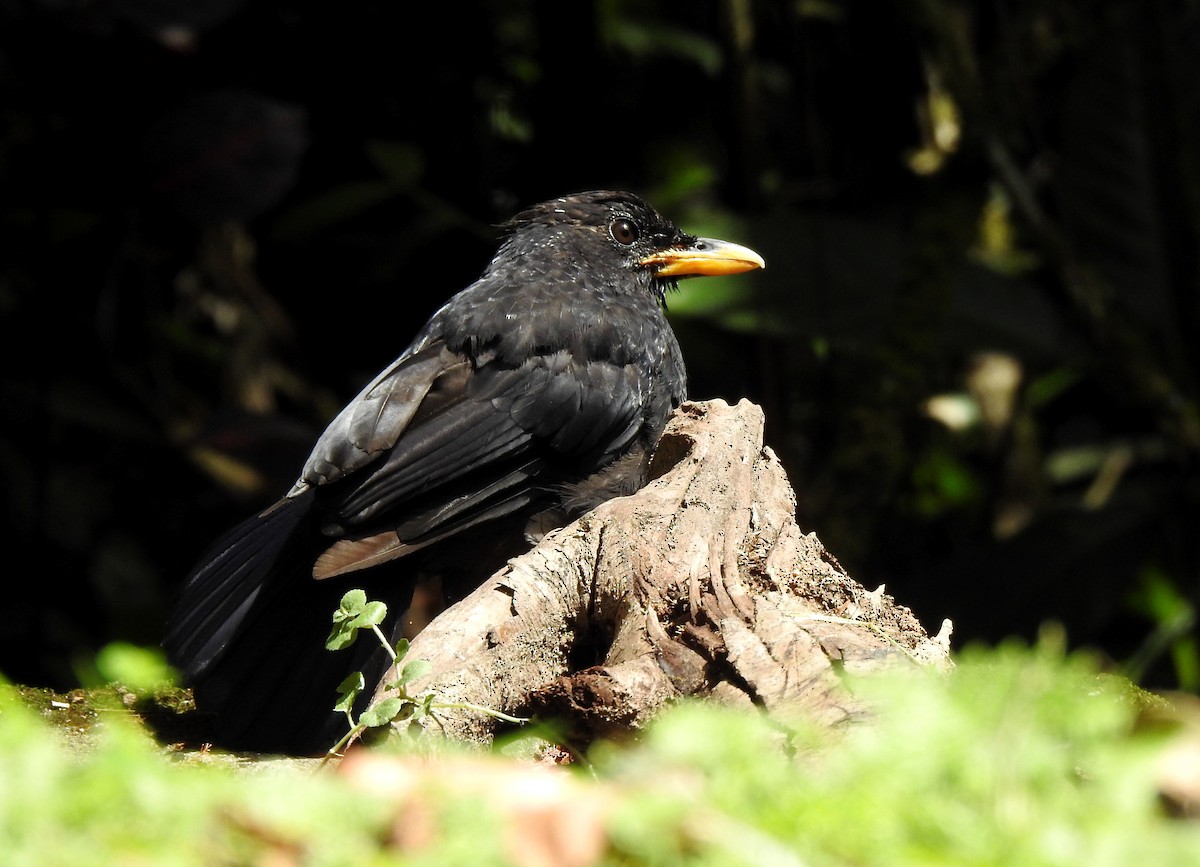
{"points": [[533, 395]]}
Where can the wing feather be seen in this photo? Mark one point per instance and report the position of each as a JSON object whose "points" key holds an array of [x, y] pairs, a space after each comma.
{"points": [[441, 443]]}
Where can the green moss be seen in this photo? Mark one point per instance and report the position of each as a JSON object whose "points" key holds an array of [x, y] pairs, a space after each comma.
{"points": [[1018, 755]]}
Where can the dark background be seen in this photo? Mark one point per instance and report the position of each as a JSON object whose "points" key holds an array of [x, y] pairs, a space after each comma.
{"points": [[975, 340]]}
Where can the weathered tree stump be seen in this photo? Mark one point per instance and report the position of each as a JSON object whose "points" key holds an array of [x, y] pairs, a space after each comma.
{"points": [[701, 584]]}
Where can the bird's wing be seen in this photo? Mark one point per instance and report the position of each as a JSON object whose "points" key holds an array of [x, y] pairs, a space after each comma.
{"points": [[457, 445], [371, 423]]}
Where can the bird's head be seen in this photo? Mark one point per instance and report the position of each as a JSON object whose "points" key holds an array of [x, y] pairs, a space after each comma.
{"points": [[619, 232]]}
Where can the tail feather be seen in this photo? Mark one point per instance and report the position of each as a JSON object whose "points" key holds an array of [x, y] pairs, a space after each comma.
{"points": [[220, 592], [249, 634]]}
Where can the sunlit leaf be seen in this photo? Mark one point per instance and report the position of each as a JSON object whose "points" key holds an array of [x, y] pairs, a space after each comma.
{"points": [[133, 666], [348, 690], [412, 670], [381, 713]]}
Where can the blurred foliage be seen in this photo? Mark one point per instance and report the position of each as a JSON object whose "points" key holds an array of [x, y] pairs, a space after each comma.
{"points": [[1019, 755], [975, 340]]}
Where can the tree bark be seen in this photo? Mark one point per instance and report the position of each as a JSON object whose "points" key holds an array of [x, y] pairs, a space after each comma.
{"points": [[701, 584]]}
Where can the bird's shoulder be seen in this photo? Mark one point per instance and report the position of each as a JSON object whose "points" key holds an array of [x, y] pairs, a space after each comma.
{"points": [[574, 389]]}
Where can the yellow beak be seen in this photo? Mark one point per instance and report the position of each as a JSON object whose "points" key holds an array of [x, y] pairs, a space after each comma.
{"points": [[705, 257]]}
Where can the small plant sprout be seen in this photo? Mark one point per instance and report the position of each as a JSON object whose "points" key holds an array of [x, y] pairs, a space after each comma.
{"points": [[355, 613]]}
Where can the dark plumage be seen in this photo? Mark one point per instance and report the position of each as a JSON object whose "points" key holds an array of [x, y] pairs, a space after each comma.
{"points": [[534, 394]]}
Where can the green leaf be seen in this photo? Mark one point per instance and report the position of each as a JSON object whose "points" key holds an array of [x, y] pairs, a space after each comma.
{"points": [[349, 689], [412, 670], [1157, 597], [381, 713], [651, 40], [135, 667], [352, 604], [353, 613], [401, 649], [372, 615], [402, 162], [341, 636]]}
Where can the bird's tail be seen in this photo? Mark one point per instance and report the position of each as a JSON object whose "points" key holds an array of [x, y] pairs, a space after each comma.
{"points": [[248, 634]]}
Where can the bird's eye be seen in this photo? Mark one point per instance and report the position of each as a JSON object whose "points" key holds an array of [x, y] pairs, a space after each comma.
{"points": [[624, 231]]}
